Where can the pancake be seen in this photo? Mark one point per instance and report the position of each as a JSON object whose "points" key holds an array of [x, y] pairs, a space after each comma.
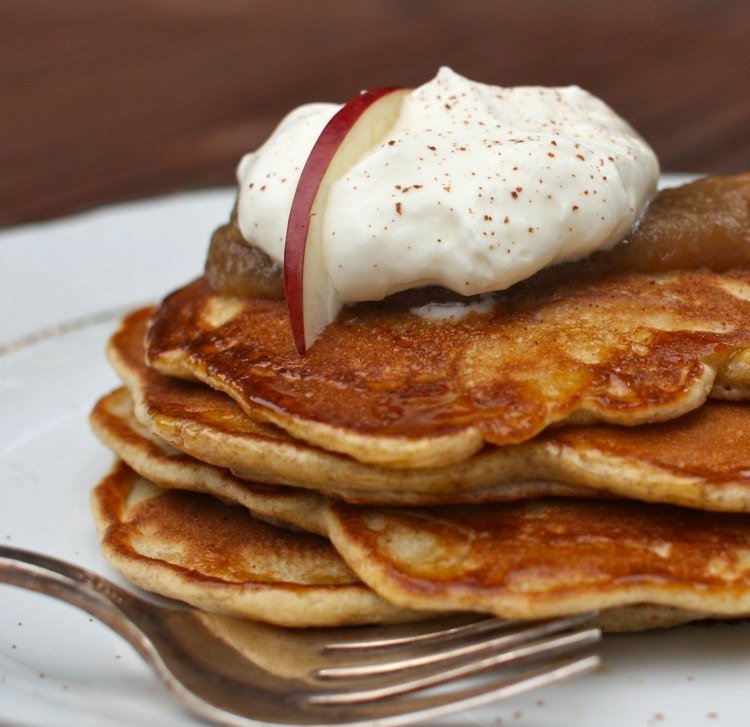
{"points": [[219, 558], [542, 558], [444, 555], [639, 336], [700, 460], [211, 427], [114, 423], [386, 386]]}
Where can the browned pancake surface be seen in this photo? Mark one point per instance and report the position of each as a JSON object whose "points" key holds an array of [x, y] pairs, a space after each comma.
{"points": [[382, 384], [710, 445], [699, 460], [153, 539], [211, 427], [218, 557], [114, 423], [545, 557], [630, 349], [212, 540]]}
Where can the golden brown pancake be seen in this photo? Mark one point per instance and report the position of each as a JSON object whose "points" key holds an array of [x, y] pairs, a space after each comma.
{"points": [[386, 386], [184, 535], [217, 557], [114, 423], [539, 558], [636, 336], [700, 460], [211, 427]]}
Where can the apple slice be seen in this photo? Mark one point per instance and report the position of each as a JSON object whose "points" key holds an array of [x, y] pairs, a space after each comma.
{"points": [[355, 129]]}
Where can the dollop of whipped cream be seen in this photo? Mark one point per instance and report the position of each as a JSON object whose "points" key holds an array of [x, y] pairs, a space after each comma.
{"points": [[475, 188]]}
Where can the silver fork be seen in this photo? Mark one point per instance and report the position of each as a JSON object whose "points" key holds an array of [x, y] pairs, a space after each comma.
{"points": [[235, 672]]}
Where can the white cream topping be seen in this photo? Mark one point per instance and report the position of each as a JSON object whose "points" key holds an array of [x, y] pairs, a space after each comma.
{"points": [[268, 177], [454, 310], [477, 187]]}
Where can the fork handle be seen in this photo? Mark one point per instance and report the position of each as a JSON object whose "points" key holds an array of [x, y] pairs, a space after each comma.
{"points": [[72, 584], [88, 578]]}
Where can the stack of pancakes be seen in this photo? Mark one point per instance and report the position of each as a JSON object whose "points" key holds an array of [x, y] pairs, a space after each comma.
{"points": [[584, 444]]}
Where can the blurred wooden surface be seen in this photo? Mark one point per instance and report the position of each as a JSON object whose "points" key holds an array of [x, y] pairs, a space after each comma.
{"points": [[104, 101]]}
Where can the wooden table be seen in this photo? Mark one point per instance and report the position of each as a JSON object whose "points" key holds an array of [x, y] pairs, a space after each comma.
{"points": [[104, 101]]}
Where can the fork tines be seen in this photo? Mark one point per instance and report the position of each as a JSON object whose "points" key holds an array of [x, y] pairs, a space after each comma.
{"points": [[388, 668]]}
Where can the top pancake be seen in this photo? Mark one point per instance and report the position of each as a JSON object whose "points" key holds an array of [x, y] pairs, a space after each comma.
{"points": [[386, 385], [701, 460]]}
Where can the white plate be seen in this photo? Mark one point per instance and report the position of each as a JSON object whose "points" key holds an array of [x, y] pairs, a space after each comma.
{"points": [[62, 287]]}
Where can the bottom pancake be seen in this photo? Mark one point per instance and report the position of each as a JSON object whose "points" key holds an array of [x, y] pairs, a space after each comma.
{"points": [[549, 557], [648, 566], [217, 557]]}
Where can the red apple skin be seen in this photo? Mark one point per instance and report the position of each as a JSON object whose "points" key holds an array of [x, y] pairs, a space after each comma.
{"points": [[299, 215]]}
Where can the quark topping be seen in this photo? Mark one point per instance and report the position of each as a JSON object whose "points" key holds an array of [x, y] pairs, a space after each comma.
{"points": [[476, 188]]}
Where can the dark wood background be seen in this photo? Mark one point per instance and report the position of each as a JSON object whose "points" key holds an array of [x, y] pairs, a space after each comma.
{"points": [[103, 101]]}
